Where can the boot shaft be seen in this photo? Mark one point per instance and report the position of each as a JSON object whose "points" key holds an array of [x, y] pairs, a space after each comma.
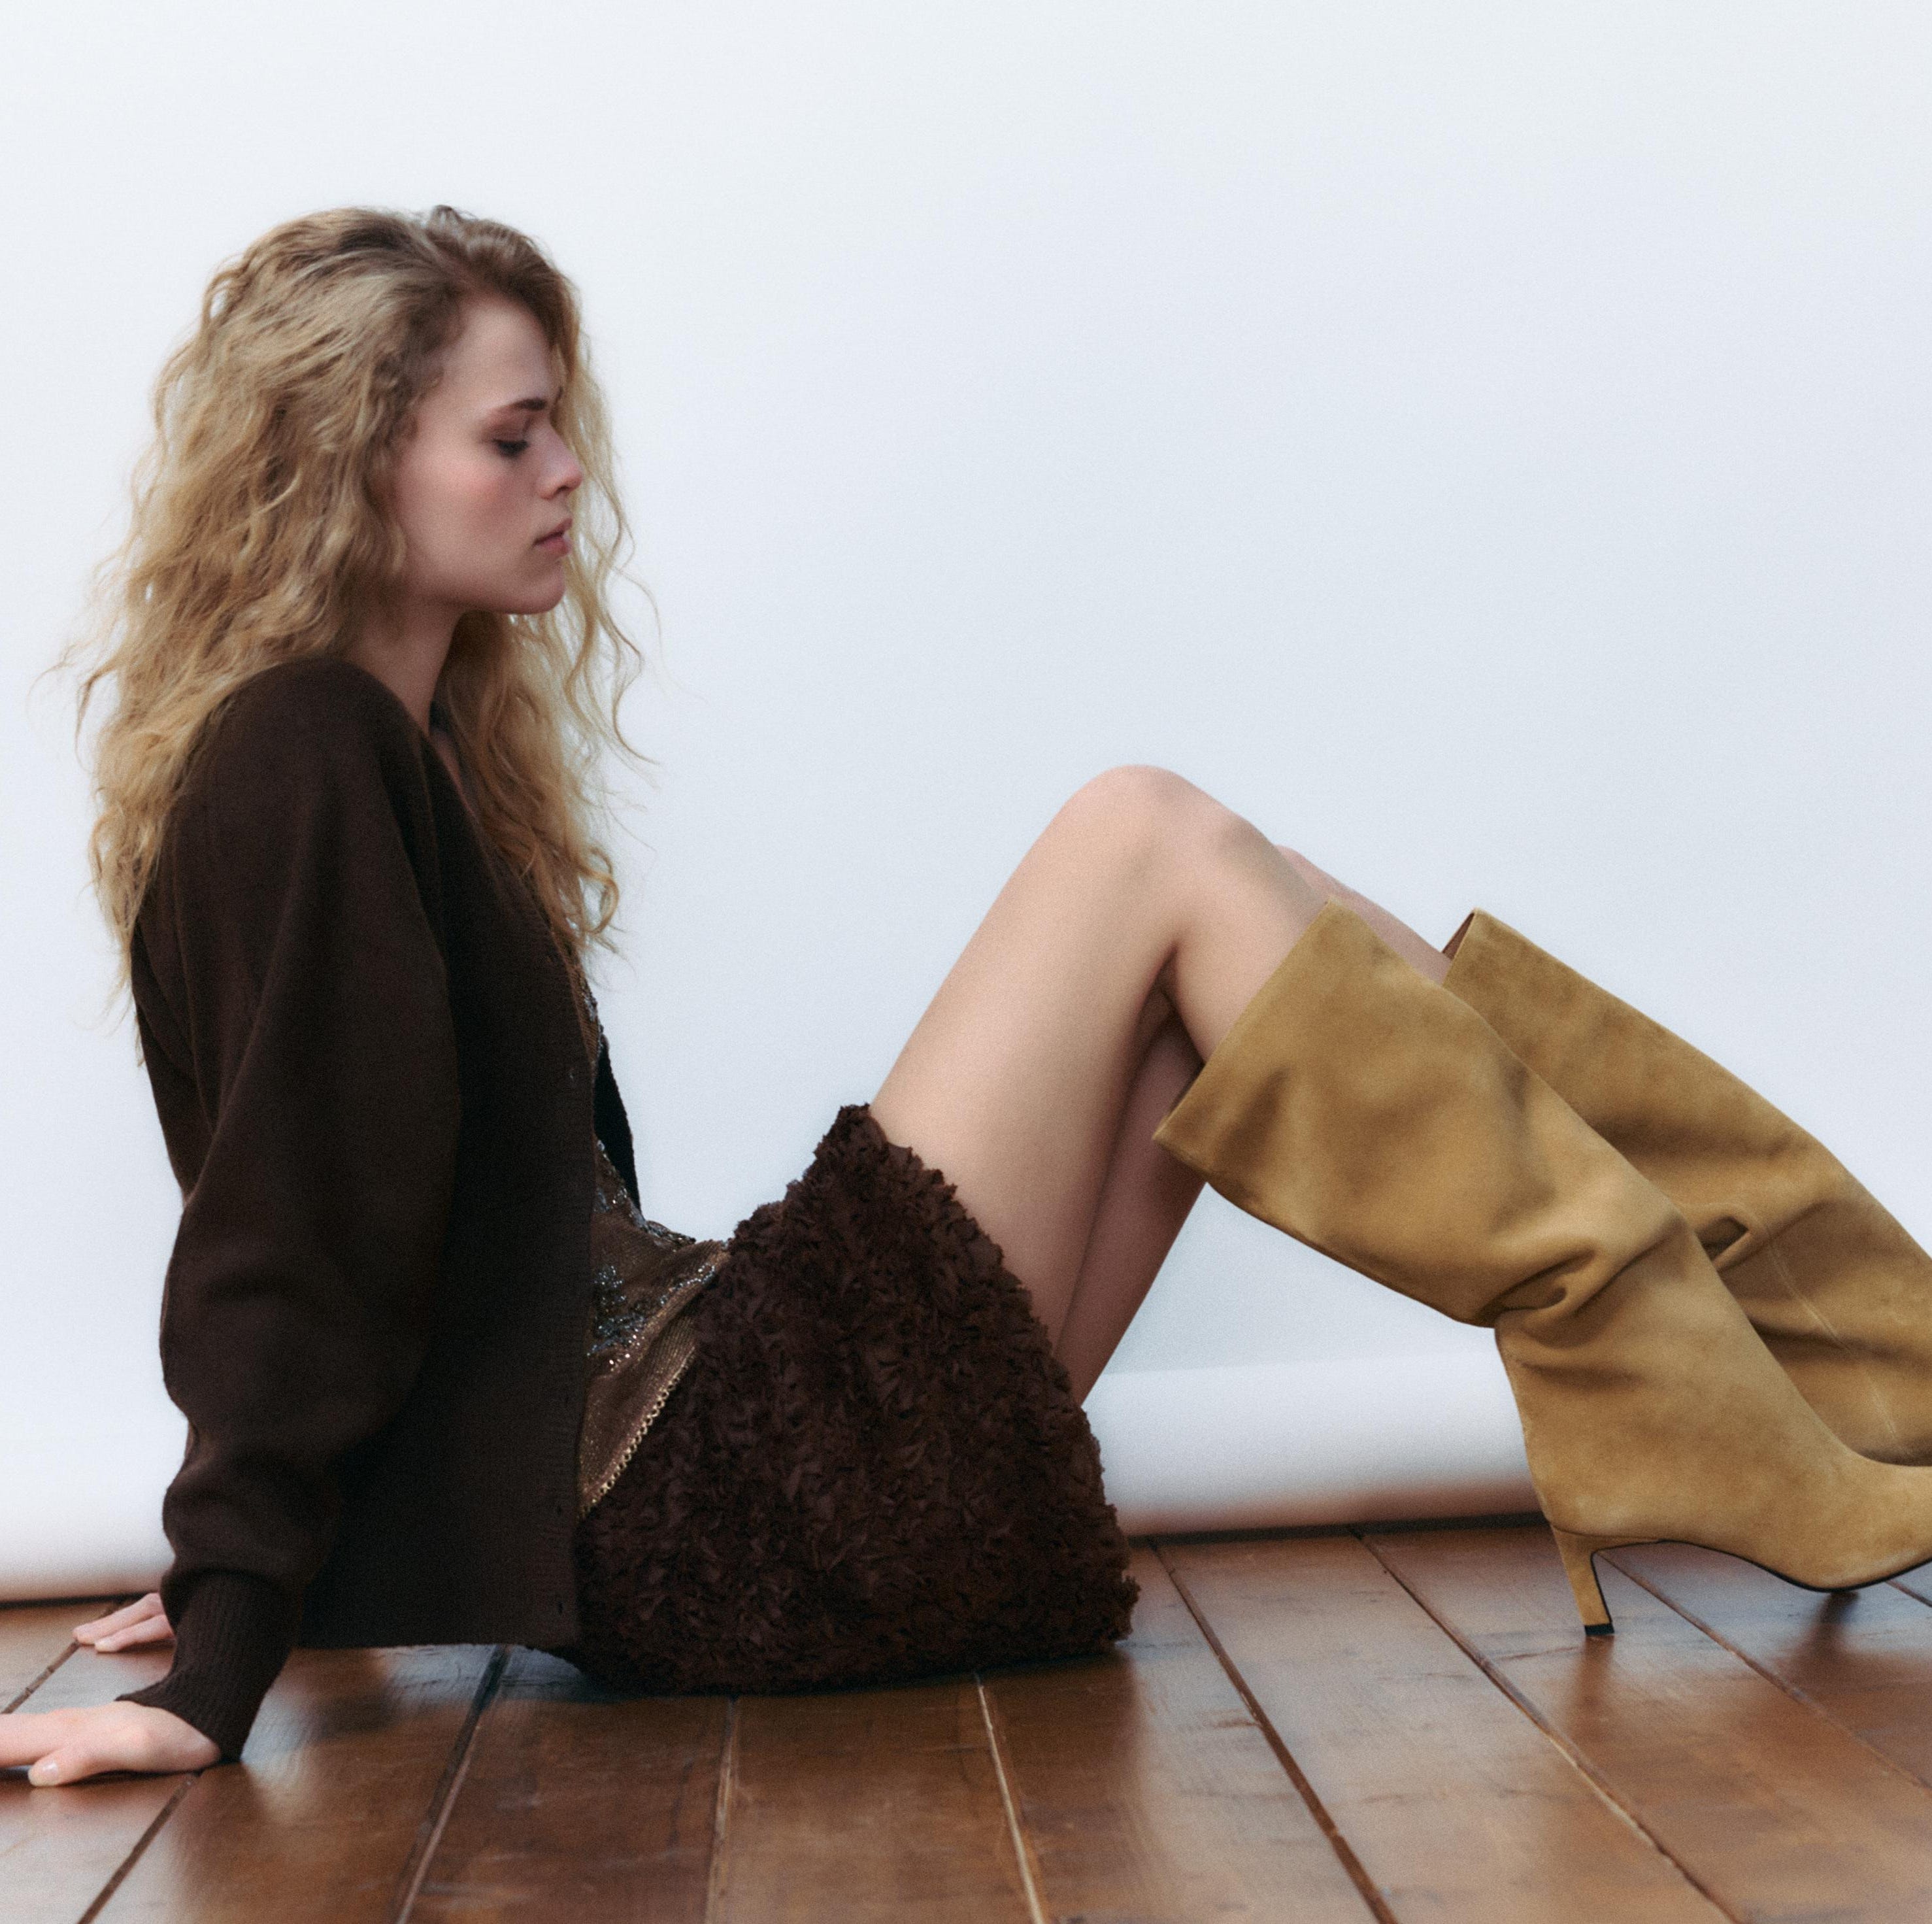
{"points": [[1832, 1283], [1375, 1116]]}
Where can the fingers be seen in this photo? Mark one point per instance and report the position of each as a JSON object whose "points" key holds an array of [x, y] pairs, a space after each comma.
{"points": [[66, 1746], [143, 1621], [101, 1626], [93, 1756], [25, 1736], [155, 1629], [62, 1767], [53, 1744]]}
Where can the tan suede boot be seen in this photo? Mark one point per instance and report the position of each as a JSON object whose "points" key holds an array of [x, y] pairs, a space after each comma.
{"points": [[1840, 1294], [1376, 1117]]}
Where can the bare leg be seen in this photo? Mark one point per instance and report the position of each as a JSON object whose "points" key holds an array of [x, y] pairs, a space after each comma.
{"points": [[1421, 955], [1147, 1196], [1016, 1082]]}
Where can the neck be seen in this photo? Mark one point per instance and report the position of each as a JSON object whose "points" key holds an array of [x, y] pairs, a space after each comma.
{"points": [[405, 648]]}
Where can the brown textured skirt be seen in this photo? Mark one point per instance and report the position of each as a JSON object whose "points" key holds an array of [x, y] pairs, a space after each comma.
{"points": [[874, 1470]]}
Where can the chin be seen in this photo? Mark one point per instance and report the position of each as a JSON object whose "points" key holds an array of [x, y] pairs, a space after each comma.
{"points": [[532, 601]]}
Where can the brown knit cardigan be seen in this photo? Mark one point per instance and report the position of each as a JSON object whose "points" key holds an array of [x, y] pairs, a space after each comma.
{"points": [[365, 1052]]}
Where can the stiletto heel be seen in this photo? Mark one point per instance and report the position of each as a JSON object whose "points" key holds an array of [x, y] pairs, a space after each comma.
{"points": [[1578, 1553]]}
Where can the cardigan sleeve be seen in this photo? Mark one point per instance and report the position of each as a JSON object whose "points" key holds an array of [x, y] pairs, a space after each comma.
{"points": [[309, 991]]}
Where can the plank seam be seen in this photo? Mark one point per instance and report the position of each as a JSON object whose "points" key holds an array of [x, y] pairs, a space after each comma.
{"points": [[141, 1843], [1344, 1851], [1791, 1690], [429, 1832], [72, 1645], [29, 1691], [1578, 1760], [1021, 1849], [720, 1816]]}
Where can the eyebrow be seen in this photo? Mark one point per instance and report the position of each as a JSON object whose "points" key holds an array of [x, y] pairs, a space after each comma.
{"points": [[529, 405]]}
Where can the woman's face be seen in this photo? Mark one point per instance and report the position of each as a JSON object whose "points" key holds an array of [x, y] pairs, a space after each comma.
{"points": [[483, 480]]}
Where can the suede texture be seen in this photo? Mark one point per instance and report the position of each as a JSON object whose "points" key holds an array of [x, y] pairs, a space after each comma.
{"points": [[1375, 1116], [1839, 1292]]}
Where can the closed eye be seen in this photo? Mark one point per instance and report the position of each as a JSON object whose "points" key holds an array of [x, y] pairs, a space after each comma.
{"points": [[510, 450]]}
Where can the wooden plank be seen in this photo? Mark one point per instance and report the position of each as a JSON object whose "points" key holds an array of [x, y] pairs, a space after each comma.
{"points": [[34, 1635], [1773, 1809], [1916, 1583], [1456, 1806], [579, 1804], [1864, 1659], [1145, 1788], [324, 1817], [60, 1847], [866, 1806]]}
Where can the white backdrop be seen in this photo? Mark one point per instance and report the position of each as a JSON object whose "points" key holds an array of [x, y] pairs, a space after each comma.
{"points": [[1487, 445]]}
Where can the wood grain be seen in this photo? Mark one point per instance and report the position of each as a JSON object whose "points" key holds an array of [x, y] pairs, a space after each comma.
{"points": [[322, 1817], [1741, 1749], [1770, 1806], [1145, 1789], [1864, 1658], [1916, 1583], [862, 1806], [34, 1635], [581, 1804], [1457, 1806], [60, 1847]]}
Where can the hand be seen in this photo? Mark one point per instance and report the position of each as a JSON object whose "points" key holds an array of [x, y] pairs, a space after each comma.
{"points": [[141, 1622], [63, 1746]]}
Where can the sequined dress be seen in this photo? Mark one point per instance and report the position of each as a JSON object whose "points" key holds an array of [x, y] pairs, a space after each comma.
{"points": [[643, 1278]]}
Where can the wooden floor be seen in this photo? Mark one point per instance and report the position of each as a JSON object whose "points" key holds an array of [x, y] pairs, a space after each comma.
{"points": [[1394, 1723]]}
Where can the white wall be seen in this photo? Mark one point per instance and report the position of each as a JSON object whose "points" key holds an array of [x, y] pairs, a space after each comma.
{"points": [[1487, 444]]}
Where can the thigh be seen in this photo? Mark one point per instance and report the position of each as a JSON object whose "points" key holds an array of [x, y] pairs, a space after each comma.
{"points": [[1144, 895], [1013, 1083], [1146, 1197]]}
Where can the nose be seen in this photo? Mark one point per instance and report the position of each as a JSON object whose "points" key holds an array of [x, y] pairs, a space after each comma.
{"points": [[567, 473]]}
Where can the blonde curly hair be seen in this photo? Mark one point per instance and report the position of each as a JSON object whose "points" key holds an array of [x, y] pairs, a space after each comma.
{"points": [[259, 535]]}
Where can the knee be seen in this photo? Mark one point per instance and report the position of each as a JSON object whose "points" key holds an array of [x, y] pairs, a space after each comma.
{"points": [[1317, 879], [1145, 814]]}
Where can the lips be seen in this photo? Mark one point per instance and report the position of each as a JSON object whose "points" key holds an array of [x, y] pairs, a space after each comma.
{"points": [[558, 539]]}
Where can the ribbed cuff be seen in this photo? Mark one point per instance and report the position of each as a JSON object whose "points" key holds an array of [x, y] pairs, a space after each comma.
{"points": [[231, 1642]]}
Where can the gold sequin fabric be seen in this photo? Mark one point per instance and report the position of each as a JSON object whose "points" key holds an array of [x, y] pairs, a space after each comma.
{"points": [[643, 1277]]}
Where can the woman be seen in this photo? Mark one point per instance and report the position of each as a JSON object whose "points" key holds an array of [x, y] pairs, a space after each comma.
{"points": [[445, 1382]]}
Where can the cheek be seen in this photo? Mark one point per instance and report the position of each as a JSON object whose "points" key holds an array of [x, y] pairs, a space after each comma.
{"points": [[481, 492], [448, 505]]}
